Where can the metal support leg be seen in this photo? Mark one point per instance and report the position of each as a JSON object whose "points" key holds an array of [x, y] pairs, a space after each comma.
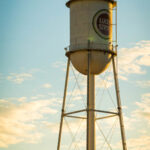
{"points": [[119, 105], [90, 108], [63, 105]]}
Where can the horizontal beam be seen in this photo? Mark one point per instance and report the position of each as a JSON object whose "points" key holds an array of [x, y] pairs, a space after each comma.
{"points": [[68, 53], [76, 117], [103, 111], [79, 111], [66, 114], [105, 117]]}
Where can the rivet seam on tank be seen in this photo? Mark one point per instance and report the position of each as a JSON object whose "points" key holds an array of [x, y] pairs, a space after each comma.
{"points": [[101, 23]]}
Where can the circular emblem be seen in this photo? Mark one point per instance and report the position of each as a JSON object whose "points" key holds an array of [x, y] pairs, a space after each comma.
{"points": [[101, 23]]}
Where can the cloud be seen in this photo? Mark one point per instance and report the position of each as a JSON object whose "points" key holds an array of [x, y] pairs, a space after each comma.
{"points": [[68, 126], [20, 122], [19, 78], [131, 60], [142, 142], [59, 64], [47, 85], [77, 92], [22, 99], [122, 77], [144, 61], [104, 83], [39, 96], [78, 143], [143, 84], [138, 143], [143, 110], [72, 131]]}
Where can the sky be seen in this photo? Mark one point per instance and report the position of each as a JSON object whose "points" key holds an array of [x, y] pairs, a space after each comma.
{"points": [[33, 34]]}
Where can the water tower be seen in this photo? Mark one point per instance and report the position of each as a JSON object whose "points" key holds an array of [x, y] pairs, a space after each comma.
{"points": [[91, 51]]}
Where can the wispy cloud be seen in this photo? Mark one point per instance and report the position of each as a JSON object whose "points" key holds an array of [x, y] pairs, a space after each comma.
{"points": [[138, 143], [18, 122], [143, 110], [47, 85], [59, 64], [104, 83], [132, 59], [143, 84], [68, 126], [22, 99], [39, 96], [19, 78]]}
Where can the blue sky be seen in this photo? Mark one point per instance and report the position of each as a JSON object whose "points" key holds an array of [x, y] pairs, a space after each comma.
{"points": [[33, 34]]}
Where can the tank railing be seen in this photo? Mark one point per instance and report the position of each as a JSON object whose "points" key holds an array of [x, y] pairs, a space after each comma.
{"points": [[92, 45]]}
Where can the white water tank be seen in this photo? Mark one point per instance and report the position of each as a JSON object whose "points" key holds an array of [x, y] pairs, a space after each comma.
{"points": [[90, 30]]}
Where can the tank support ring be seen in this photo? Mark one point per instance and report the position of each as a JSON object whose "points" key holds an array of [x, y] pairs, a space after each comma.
{"points": [[68, 53]]}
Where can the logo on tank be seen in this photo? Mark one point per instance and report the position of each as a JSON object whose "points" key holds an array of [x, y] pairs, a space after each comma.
{"points": [[101, 23]]}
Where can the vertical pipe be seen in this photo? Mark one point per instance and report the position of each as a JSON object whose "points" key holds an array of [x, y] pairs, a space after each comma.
{"points": [[90, 108], [119, 105], [91, 112], [88, 74], [63, 105]]}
